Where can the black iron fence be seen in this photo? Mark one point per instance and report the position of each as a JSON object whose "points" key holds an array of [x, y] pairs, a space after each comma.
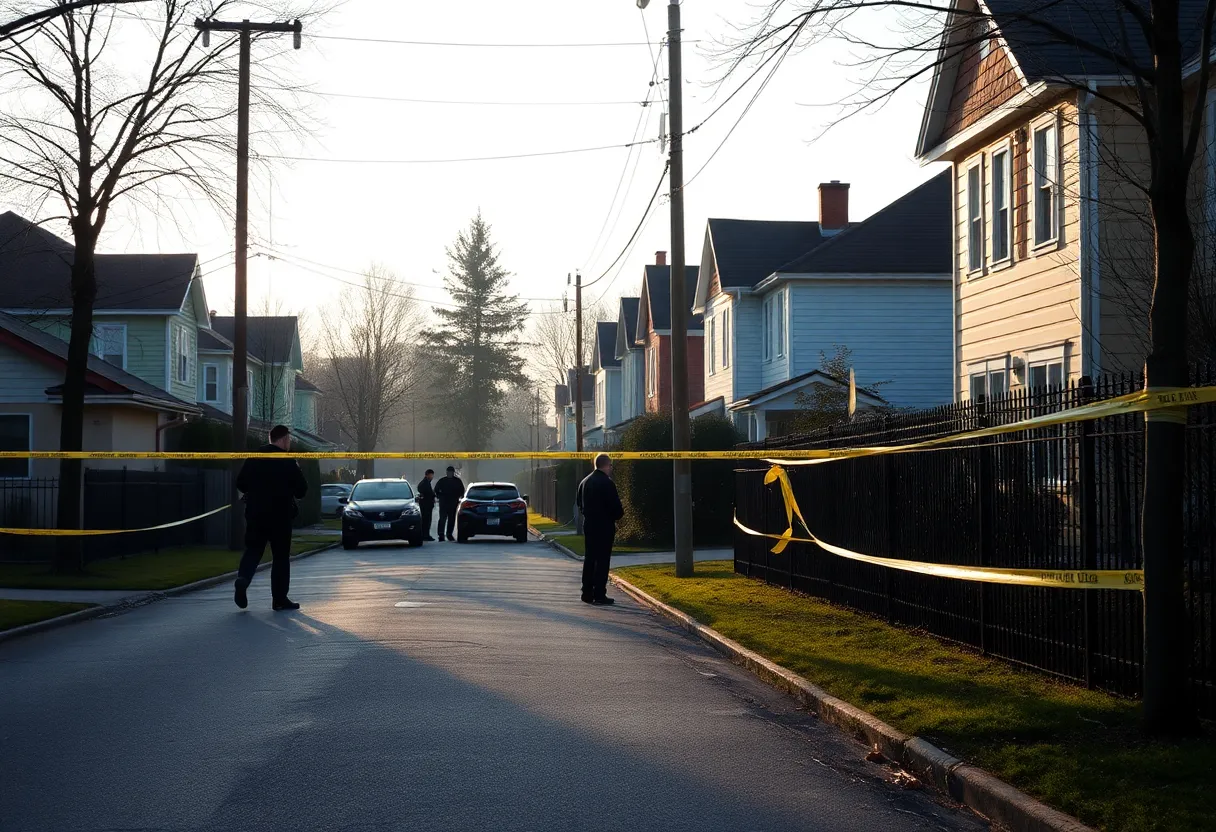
{"points": [[118, 499], [1064, 497], [541, 486]]}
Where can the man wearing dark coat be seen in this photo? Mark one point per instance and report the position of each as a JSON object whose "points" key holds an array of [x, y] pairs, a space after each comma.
{"points": [[448, 492], [600, 507], [426, 502], [271, 483]]}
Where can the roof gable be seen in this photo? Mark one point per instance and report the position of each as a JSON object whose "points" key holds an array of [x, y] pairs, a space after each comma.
{"points": [[747, 251], [36, 268], [605, 345], [912, 235], [272, 339], [656, 292], [626, 326]]}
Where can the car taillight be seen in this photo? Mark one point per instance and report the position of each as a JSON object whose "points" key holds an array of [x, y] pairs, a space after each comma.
{"points": [[517, 504]]}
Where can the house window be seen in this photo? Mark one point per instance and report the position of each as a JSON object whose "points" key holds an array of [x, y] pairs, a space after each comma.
{"points": [[725, 327], [1045, 375], [652, 368], [599, 401], [780, 314], [110, 344], [975, 218], [711, 345], [16, 434], [989, 379], [1046, 177], [1002, 225], [766, 338], [211, 383], [184, 362], [248, 393]]}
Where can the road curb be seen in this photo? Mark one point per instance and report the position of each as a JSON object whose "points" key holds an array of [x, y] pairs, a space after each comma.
{"points": [[136, 600], [559, 547], [991, 797]]}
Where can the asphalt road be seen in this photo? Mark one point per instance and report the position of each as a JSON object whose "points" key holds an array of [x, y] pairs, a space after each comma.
{"points": [[447, 688]]}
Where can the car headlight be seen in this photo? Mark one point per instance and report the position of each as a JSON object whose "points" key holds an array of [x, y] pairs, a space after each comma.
{"points": [[354, 512], [412, 509]]}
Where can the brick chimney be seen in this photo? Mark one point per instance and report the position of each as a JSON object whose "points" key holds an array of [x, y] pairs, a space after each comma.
{"points": [[833, 206], [660, 258]]}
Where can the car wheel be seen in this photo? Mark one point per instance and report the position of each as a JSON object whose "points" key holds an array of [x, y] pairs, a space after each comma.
{"points": [[416, 541], [522, 537], [349, 542]]}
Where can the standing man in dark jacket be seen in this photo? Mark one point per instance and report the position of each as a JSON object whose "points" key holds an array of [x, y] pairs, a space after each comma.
{"points": [[426, 502], [271, 483], [448, 492], [600, 507]]}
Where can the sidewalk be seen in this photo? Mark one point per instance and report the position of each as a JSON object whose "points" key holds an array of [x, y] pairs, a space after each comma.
{"points": [[70, 596]]}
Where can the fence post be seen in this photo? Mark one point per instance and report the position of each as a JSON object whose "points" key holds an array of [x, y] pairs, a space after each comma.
{"points": [[985, 518], [1089, 526], [890, 484]]}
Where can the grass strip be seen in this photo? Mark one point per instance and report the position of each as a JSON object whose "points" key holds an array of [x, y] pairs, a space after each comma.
{"points": [[1080, 751], [19, 613], [542, 523], [577, 544], [147, 571]]}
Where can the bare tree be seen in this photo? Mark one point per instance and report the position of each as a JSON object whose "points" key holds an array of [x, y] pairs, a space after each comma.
{"points": [[555, 334], [370, 351], [79, 129], [1149, 60]]}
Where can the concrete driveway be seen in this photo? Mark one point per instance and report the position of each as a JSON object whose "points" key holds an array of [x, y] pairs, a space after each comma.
{"points": [[451, 687]]}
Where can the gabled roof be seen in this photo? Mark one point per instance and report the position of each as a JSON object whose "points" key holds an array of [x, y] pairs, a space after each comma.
{"points": [[209, 339], [1044, 41], [36, 267], [797, 382], [588, 384], [656, 299], [605, 345], [626, 326], [747, 251], [305, 385], [912, 235], [102, 379], [271, 339]]}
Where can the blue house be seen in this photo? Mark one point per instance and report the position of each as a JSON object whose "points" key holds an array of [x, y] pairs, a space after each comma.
{"points": [[606, 371], [632, 357], [777, 296]]}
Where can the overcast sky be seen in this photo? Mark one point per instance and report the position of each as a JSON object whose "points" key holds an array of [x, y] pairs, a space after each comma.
{"points": [[548, 214]]}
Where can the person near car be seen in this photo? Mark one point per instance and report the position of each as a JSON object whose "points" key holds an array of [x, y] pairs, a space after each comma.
{"points": [[448, 492], [426, 501], [270, 483], [600, 507]]}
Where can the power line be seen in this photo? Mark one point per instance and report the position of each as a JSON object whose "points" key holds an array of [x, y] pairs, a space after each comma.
{"points": [[636, 231], [473, 45], [459, 103], [451, 161]]}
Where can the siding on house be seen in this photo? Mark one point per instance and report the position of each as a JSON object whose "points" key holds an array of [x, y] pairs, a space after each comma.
{"points": [[982, 84], [610, 377], [898, 331], [223, 364], [721, 381], [748, 353], [633, 385], [304, 415], [24, 379], [1035, 301], [145, 341]]}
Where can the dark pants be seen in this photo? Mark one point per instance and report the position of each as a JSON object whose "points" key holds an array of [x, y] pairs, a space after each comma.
{"points": [[276, 532], [595, 563], [447, 519], [428, 512]]}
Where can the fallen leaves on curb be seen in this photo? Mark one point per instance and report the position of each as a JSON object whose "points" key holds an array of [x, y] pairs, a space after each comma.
{"points": [[906, 781]]}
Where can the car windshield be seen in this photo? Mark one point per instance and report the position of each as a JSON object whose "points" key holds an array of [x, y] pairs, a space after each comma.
{"points": [[396, 490], [330, 490], [493, 492]]}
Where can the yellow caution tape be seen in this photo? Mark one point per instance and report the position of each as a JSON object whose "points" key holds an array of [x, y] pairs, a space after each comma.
{"points": [[95, 532], [1142, 401], [1131, 579]]}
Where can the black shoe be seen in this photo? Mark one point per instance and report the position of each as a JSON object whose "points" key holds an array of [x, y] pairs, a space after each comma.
{"points": [[285, 604], [429, 539], [603, 602], [587, 599], [242, 600], [452, 539]]}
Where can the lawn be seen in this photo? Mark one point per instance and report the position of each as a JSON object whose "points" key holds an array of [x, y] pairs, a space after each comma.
{"points": [[147, 571], [1077, 750], [575, 543], [19, 613], [542, 523]]}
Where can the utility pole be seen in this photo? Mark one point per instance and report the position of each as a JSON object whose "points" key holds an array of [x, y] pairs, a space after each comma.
{"points": [[578, 362], [240, 382], [680, 428]]}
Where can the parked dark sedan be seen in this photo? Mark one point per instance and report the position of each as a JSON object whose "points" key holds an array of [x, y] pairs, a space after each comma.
{"points": [[381, 509], [492, 508]]}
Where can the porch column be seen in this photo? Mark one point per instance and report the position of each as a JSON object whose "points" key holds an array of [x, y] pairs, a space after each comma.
{"points": [[761, 419]]}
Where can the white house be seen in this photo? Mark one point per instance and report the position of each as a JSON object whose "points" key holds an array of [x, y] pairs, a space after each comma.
{"points": [[778, 296], [632, 358]]}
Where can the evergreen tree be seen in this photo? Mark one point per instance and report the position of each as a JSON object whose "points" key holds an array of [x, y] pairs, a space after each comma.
{"points": [[475, 350]]}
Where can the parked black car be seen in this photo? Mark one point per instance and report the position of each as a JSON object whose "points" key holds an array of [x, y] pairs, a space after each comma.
{"points": [[492, 508], [381, 509]]}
